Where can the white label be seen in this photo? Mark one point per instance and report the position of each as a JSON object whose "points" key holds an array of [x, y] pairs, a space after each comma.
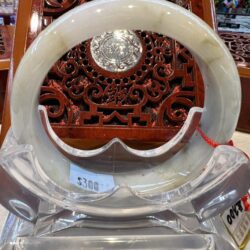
{"points": [[90, 181], [237, 220]]}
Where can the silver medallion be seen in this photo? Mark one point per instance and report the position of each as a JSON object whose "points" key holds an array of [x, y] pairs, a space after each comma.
{"points": [[116, 51]]}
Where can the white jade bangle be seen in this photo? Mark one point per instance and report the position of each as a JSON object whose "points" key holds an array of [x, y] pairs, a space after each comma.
{"points": [[222, 86]]}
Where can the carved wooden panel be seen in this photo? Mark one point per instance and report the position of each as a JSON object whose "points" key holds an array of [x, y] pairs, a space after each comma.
{"points": [[149, 102], [2, 45], [155, 95], [5, 43], [239, 46]]}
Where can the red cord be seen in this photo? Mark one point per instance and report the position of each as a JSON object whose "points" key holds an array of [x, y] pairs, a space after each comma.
{"points": [[211, 142]]}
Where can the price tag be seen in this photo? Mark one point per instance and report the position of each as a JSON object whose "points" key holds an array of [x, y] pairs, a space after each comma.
{"points": [[90, 181], [237, 220]]}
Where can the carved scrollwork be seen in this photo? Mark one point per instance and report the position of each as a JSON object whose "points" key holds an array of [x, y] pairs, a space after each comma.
{"points": [[2, 45], [239, 46], [5, 43], [175, 108], [161, 87], [156, 93], [58, 106], [57, 7]]}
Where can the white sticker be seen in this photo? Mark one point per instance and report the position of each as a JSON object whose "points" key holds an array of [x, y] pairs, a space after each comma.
{"points": [[237, 220], [90, 181]]}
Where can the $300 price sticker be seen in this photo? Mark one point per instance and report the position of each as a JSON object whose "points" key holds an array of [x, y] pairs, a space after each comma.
{"points": [[90, 181]]}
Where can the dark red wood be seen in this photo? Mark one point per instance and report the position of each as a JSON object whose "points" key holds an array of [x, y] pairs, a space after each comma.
{"points": [[239, 46], [156, 95], [244, 121], [166, 86], [3, 81], [150, 102], [5, 43]]}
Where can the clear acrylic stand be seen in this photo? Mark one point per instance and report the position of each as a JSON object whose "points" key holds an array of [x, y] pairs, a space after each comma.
{"points": [[189, 221]]}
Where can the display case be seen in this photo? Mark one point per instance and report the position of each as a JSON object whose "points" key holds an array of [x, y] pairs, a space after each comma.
{"points": [[233, 20]]}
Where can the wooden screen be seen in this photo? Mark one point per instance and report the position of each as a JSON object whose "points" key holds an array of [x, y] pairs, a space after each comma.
{"points": [[148, 103], [239, 46]]}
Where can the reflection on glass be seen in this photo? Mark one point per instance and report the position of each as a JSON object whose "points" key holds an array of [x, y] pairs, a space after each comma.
{"points": [[34, 22], [8, 10], [233, 15]]}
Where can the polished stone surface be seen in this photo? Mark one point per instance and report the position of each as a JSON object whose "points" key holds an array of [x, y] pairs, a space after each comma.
{"points": [[116, 51]]}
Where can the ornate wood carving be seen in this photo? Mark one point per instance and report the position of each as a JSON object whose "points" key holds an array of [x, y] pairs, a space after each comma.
{"points": [[239, 46], [148, 102], [5, 43], [68, 124], [157, 93], [56, 8], [2, 45]]}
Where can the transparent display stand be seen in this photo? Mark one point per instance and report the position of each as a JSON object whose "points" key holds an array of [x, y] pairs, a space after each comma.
{"points": [[191, 222], [74, 231]]}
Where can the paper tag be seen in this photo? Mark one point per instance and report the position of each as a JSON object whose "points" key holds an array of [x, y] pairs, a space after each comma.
{"points": [[90, 181], [237, 220]]}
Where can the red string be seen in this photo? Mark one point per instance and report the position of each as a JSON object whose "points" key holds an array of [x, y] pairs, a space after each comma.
{"points": [[210, 141], [213, 143]]}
